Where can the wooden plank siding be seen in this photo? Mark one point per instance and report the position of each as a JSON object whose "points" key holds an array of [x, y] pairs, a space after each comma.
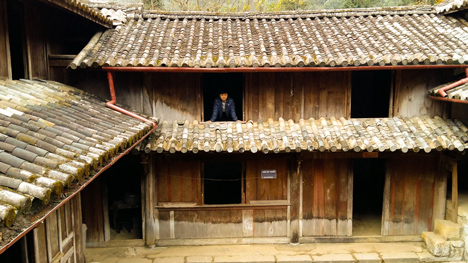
{"points": [[93, 214], [411, 92], [266, 189], [178, 181], [5, 66], [36, 41], [296, 95], [413, 196], [325, 197], [175, 96]]}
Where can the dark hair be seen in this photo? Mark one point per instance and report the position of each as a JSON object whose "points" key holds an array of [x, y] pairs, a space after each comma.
{"points": [[222, 91]]}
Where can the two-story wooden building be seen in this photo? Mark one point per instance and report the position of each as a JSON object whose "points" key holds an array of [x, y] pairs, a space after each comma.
{"points": [[338, 139]]}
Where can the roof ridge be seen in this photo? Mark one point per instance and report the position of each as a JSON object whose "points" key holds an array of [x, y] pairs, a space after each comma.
{"points": [[426, 9]]}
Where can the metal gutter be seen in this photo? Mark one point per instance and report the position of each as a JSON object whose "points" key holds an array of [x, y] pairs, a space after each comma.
{"points": [[273, 69]]}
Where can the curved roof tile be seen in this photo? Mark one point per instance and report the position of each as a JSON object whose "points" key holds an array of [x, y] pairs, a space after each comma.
{"points": [[354, 38], [420, 133], [53, 136]]}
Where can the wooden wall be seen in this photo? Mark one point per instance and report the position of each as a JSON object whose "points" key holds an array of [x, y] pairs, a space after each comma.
{"points": [[5, 69], [327, 197], [180, 215], [36, 40], [179, 181], [258, 189], [176, 96], [411, 92], [93, 211], [60, 239], [297, 95], [414, 195]]}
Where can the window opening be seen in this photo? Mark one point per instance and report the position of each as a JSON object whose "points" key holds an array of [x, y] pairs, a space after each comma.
{"points": [[369, 182], [16, 36], [213, 83], [222, 183], [370, 93]]}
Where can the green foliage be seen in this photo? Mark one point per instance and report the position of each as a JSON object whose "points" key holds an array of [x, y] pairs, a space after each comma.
{"points": [[273, 5]]}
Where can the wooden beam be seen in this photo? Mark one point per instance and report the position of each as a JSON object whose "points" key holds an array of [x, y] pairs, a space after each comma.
{"points": [[455, 193], [78, 227], [295, 201], [150, 222]]}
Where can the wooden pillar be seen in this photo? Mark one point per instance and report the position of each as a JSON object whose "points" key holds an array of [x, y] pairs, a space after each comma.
{"points": [[148, 187], [295, 197], [78, 227], [455, 192]]}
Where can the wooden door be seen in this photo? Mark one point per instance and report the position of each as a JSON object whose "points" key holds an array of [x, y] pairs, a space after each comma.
{"points": [[327, 197], [414, 195]]}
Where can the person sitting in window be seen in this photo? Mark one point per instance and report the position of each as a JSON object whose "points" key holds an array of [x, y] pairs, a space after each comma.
{"points": [[224, 108]]}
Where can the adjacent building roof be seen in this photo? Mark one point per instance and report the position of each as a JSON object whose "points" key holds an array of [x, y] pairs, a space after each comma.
{"points": [[82, 9], [332, 135], [54, 137], [457, 94], [451, 6], [359, 37]]}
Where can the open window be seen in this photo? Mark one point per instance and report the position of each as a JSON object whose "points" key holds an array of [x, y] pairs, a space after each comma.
{"points": [[17, 40], [370, 93], [222, 183], [213, 83]]}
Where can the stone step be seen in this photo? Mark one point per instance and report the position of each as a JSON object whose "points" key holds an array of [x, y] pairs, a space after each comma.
{"points": [[438, 246], [447, 229]]}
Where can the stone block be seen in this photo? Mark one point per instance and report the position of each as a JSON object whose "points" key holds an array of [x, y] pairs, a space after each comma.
{"points": [[245, 259], [400, 257], [334, 258], [367, 257], [293, 259], [436, 244], [447, 229]]}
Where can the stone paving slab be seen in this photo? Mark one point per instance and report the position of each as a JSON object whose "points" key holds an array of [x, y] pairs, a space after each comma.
{"points": [[400, 257], [293, 259], [245, 259], [169, 260], [199, 259], [368, 257], [334, 258]]}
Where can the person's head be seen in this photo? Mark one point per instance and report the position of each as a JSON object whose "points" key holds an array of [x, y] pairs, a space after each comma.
{"points": [[223, 96]]}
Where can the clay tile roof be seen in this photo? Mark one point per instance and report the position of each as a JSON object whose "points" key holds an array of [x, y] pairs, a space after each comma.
{"points": [[295, 39], [456, 94], [448, 6], [52, 138], [332, 135], [82, 9]]}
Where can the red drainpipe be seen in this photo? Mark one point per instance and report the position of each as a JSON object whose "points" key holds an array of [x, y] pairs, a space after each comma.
{"points": [[111, 104], [453, 85]]}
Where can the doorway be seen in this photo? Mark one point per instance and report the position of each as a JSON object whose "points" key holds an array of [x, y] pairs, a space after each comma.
{"points": [[213, 83], [124, 198], [369, 182]]}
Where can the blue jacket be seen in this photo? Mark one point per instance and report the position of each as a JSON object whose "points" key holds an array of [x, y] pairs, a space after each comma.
{"points": [[218, 109]]}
